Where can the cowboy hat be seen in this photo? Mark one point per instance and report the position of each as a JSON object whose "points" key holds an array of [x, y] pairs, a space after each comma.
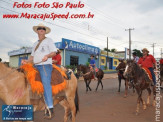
{"points": [[42, 25], [145, 49]]}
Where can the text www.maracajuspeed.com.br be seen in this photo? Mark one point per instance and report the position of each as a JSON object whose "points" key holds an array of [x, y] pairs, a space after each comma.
{"points": [[48, 16]]}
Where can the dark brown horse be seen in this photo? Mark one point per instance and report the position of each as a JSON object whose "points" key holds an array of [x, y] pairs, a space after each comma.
{"points": [[14, 90], [141, 82], [121, 68], [89, 74]]}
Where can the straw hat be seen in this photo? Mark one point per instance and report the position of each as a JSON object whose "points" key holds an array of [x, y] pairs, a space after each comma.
{"points": [[42, 25], [145, 49]]}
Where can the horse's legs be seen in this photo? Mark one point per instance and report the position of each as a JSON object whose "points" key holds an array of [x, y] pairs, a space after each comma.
{"points": [[65, 104], [133, 89], [154, 96], [126, 88], [72, 107], [101, 84], [138, 100], [149, 96], [119, 79], [98, 84], [88, 85], [143, 102]]}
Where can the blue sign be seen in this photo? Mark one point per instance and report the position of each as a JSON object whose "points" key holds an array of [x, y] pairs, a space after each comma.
{"points": [[17, 112], [79, 47], [58, 45]]}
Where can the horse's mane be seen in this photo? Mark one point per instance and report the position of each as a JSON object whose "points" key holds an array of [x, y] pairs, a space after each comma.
{"points": [[4, 70], [139, 72]]}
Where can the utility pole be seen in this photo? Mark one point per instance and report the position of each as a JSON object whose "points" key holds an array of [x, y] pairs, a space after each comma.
{"points": [[153, 45], [107, 54], [129, 41], [161, 53]]}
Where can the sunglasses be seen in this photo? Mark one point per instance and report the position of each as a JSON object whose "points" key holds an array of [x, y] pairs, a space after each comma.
{"points": [[41, 28]]}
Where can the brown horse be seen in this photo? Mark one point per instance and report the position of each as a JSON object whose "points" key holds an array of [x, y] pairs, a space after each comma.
{"points": [[14, 90], [121, 68], [141, 82], [88, 74]]}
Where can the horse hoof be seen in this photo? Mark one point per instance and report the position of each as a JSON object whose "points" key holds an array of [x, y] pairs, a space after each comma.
{"points": [[125, 96], [145, 107], [136, 113]]}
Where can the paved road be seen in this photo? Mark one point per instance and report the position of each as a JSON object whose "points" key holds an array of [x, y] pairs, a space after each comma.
{"points": [[105, 106]]}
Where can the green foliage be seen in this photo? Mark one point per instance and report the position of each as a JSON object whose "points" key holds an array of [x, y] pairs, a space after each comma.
{"points": [[105, 67], [138, 52], [87, 63], [110, 50], [70, 66]]}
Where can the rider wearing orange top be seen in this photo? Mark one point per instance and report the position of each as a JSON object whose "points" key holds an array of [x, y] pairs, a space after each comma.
{"points": [[57, 58], [149, 62]]}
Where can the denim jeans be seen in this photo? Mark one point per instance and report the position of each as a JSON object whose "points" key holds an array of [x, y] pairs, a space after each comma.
{"points": [[153, 75], [45, 73]]}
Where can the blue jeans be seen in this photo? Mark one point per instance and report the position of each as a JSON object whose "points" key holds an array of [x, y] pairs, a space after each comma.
{"points": [[153, 75], [45, 73]]}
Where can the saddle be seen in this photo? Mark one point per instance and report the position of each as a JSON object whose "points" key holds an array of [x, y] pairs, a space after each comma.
{"points": [[58, 79], [147, 72]]}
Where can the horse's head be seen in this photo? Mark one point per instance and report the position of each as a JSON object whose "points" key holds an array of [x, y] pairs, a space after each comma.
{"points": [[130, 68], [82, 69], [79, 70], [121, 65]]}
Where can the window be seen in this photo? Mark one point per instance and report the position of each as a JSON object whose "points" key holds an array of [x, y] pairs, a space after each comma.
{"points": [[115, 62], [74, 60]]}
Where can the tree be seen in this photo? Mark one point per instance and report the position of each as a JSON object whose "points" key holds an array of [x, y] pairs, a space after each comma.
{"points": [[0, 59], [110, 50], [138, 52], [105, 49], [113, 50]]}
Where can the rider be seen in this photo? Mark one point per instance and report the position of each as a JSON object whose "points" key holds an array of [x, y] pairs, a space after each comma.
{"points": [[42, 52], [136, 58], [149, 62], [92, 65], [57, 58]]}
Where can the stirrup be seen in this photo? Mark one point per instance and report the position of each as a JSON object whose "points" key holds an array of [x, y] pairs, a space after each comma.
{"points": [[48, 113]]}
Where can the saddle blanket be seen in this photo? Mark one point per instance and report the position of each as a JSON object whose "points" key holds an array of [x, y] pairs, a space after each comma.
{"points": [[58, 79]]}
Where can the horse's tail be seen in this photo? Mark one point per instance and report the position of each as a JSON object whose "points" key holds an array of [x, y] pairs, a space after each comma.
{"points": [[76, 100]]}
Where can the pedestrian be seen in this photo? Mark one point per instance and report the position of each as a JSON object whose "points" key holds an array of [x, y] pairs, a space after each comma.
{"points": [[42, 52], [148, 61], [57, 58]]}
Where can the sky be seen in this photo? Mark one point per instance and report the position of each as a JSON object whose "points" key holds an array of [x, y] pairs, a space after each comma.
{"points": [[111, 18]]}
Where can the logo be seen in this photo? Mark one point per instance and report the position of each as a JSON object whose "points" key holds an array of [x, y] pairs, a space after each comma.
{"points": [[17, 112]]}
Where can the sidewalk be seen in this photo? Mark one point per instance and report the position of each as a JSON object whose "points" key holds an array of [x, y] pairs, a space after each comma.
{"points": [[106, 76]]}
